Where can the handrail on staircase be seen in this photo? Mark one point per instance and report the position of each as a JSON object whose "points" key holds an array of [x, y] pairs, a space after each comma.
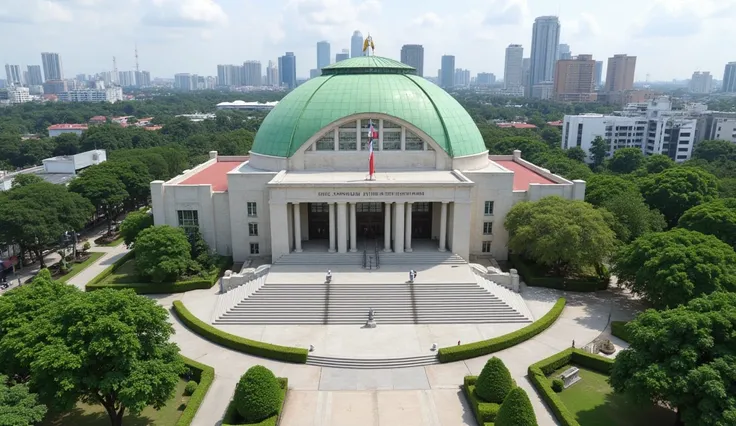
{"points": [[365, 258], [378, 261]]}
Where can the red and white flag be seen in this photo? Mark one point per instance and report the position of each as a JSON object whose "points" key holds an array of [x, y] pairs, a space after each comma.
{"points": [[372, 135]]}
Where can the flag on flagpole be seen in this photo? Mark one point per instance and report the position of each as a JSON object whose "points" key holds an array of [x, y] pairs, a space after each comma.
{"points": [[372, 135]]}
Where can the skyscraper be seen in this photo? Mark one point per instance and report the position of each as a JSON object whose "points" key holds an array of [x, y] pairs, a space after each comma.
{"points": [[345, 54], [462, 77], [272, 74], [251, 73], [575, 79], [413, 55], [526, 64], [287, 70], [598, 73], [701, 82], [563, 51], [14, 76], [513, 72], [620, 73], [545, 41], [356, 44], [323, 54], [447, 72], [729, 78], [185, 81], [52, 68]]}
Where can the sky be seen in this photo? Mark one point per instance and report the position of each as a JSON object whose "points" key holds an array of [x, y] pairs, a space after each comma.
{"points": [[671, 38]]}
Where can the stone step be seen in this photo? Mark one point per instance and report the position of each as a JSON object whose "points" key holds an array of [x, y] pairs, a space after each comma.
{"points": [[379, 363], [405, 321]]}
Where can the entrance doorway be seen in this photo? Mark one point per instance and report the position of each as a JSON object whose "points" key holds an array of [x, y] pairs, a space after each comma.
{"points": [[319, 221], [369, 219], [421, 221]]}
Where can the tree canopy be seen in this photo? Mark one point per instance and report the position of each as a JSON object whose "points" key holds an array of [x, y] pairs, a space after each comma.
{"points": [[684, 358], [598, 151], [626, 160], [677, 189], [103, 188], [717, 218], [18, 406], [671, 268], [133, 224], [162, 253], [633, 217], [601, 188]]}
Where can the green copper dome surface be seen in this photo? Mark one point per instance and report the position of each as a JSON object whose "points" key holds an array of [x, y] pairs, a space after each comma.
{"points": [[367, 84]]}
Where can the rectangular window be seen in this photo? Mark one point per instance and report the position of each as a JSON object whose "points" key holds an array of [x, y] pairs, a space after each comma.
{"points": [[369, 207], [488, 211], [253, 229], [390, 125], [486, 248], [188, 219], [319, 207], [347, 140], [348, 125], [420, 207], [391, 141], [487, 228], [255, 248], [413, 142], [326, 142], [252, 211]]}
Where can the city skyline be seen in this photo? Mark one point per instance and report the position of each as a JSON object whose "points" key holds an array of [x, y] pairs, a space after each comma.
{"points": [[196, 35]]}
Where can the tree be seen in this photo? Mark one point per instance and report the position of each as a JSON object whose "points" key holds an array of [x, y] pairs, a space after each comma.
{"points": [[134, 176], [531, 148], [257, 394], [676, 190], [200, 250], [671, 268], [104, 189], [516, 410], [598, 151], [565, 167], [576, 153], [657, 163], [66, 144], [133, 224], [604, 187], [19, 407], [633, 217], [26, 179], [162, 253], [494, 381], [626, 160], [552, 136], [683, 358], [563, 234], [714, 150], [716, 218]]}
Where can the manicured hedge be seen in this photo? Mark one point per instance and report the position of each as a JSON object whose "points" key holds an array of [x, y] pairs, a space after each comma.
{"points": [[240, 344], [204, 375], [618, 329], [485, 347], [232, 417], [532, 277], [539, 371], [485, 412]]}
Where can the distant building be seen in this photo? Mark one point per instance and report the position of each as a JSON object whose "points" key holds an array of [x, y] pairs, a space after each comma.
{"points": [[197, 117], [485, 79], [575, 79], [287, 70], [19, 95], [13, 74], [58, 129], [620, 73], [462, 77], [598, 73], [247, 106], [545, 42], [701, 82], [252, 73], [515, 125], [563, 52], [58, 170], [52, 68], [111, 94], [54, 87], [35, 78], [185, 81], [729, 78], [447, 72], [323, 54], [345, 54], [272, 74], [543, 90], [356, 44], [314, 73], [513, 72], [413, 55]]}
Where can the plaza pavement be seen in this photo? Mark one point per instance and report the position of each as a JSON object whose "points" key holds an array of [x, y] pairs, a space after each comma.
{"points": [[428, 395]]}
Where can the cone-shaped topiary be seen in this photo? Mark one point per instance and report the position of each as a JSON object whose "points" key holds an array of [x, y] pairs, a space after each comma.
{"points": [[258, 394], [494, 382], [516, 410]]}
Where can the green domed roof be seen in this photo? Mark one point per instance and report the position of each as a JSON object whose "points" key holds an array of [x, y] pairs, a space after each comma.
{"points": [[367, 84]]}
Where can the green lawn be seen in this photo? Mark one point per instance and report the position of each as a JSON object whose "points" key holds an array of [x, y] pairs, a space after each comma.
{"points": [[95, 415], [114, 243], [78, 267], [125, 274], [593, 403]]}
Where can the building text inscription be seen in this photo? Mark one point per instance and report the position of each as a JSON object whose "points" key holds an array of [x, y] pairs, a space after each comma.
{"points": [[362, 194]]}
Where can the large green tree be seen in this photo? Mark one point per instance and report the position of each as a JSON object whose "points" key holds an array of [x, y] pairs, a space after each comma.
{"points": [[162, 253], [133, 224], [633, 217], [565, 167], [671, 268], [717, 218], [605, 187], [684, 358], [598, 151], [104, 189], [657, 163], [626, 160], [563, 234], [714, 150], [678, 189], [18, 406]]}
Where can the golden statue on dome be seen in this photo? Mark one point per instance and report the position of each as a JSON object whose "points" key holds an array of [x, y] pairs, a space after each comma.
{"points": [[368, 43]]}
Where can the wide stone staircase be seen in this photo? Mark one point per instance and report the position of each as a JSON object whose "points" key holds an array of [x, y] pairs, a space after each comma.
{"points": [[393, 303], [384, 258]]}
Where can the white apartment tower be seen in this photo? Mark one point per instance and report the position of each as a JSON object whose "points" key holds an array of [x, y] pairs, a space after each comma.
{"points": [[513, 72], [701, 82], [52, 68], [14, 76]]}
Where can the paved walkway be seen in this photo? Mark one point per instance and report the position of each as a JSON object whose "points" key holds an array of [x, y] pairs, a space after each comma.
{"points": [[410, 396]]}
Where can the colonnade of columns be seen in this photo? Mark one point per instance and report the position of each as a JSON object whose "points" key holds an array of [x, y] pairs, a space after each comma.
{"points": [[397, 227]]}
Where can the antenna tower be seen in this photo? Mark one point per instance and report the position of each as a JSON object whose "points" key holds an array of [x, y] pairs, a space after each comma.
{"points": [[137, 69]]}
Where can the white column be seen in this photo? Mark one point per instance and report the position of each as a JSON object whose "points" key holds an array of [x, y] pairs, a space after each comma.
{"points": [[443, 227], [353, 229], [332, 227], [297, 228], [279, 234], [342, 227], [407, 238], [399, 238], [387, 227]]}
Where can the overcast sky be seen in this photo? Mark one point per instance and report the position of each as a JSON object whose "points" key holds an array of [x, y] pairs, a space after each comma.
{"points": [[671, 38]]}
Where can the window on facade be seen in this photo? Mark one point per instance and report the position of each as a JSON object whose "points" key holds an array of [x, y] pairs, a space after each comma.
{"points": [[252, 211], [486, 248], [255, 248], [391, 140], [487, 228], [326, 142], [188, 219], [348, 125], [421, 207], [390, 125], [413, 142], [347, 140], [318, 207], [488, 211], [369, 207], [253, 229]]}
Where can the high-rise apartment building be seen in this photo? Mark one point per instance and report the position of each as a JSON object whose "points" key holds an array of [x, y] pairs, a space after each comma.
{"points": [[52, 68], [462, 78], [413, 55], [526, 65], [620, 73], [345, 54], [447, 72], [729, 78], [598, 73], [485, 79], [251, 75], [287, 70], [701, 82], [14, 76], [323, 54], [545, 42], [513, 72], [356, 44], [563, 51], [272, 74], [143, 78], [185, 81], [575, 79]]}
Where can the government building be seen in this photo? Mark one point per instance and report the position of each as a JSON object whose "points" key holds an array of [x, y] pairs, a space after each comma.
{"points": [[305, 185]]}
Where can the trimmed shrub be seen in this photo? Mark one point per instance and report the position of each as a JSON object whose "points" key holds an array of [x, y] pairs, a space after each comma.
{"points": [[485, 412], [204, 374], [533, 278], [190, 387], [618, 329], [494, 382], [485, 347], [240, 344], [257, 395], [516, 410], [558, 385]]}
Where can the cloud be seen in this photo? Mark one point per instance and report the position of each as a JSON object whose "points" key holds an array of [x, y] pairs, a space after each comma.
{"points": [[34, 12], [512, 13], [586, 26], [427, 20], [670, 25], [185, 13]]}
